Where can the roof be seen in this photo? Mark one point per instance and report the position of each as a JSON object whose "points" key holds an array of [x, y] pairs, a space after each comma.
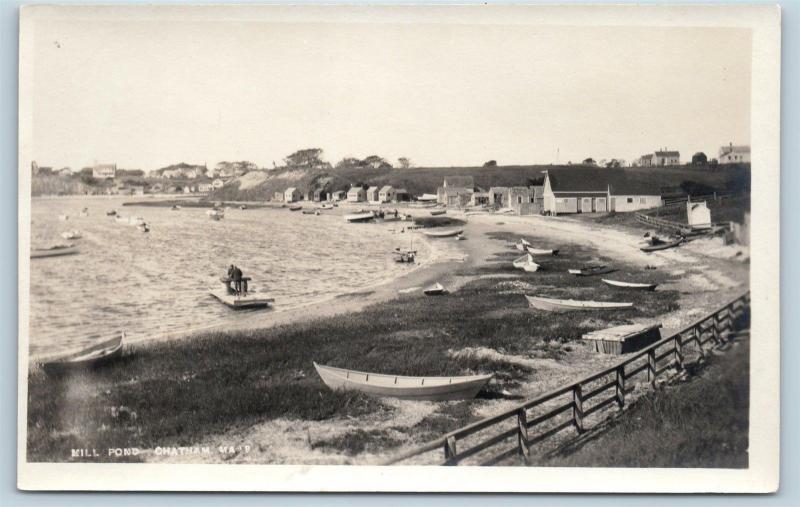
{"points": [[401, 191], [291, 189], [734, 149], [668, 153], [645, 157], [386, 188], [600, 179], [371, 189], [459, 181], [357, 189]]}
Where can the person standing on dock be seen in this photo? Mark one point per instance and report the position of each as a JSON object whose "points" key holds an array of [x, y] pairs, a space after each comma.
{"points": [[237, 280]]}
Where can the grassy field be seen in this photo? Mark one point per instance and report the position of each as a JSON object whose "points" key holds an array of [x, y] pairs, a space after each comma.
{"points": [[722, 210], [178, 393], [702, 422]]}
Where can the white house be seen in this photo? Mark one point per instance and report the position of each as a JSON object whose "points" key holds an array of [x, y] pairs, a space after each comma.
{"points": [[734, 154], [666, 157], [372, 194], [596, 190], [104, 171], [386, 194], [356, 194], [291, 194]]}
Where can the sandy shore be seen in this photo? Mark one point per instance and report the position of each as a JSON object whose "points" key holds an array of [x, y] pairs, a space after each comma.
{"points": [[705, 275]]}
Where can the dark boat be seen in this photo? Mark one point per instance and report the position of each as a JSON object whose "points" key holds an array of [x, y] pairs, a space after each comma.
{"points": [[657, 244], [90, 357], [591, 270], [55, 251]]}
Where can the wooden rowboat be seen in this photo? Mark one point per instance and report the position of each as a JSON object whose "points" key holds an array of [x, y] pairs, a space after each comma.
{"points": [[93, 356], [661, 245], [55, 251], [566, 305], [75, 234], [295, 208], [540, 251], [630, 285], [447, 233], [526, 263], [438, 212], [434, 290], [407, 388], [591, 271], [522, 245], [359, 217]]}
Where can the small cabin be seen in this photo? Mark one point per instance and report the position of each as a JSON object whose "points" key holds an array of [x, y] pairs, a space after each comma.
{"points": [[338, 195], [291, 194], [623, 339], [386, 194], [320, 195], [373, 194], [356, 194], [699, 215]]}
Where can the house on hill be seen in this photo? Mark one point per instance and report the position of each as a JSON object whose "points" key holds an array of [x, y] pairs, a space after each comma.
{"points": [[373, 194], [596, 190], [356, 194], [386, 194], [103, 171], [734, 154], [456, 191], [667, 157], [291, 194]]}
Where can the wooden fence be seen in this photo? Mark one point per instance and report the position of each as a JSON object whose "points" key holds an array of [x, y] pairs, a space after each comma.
{"points": [[660, 222], [513, 432]]}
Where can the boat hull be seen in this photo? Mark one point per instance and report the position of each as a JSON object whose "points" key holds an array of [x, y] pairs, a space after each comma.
{"points": [[54, 252], [359, 217], [407, 388], [442, 234], [664, 246], [241, 302], [630, 286], [92, 357], [569, 305]]}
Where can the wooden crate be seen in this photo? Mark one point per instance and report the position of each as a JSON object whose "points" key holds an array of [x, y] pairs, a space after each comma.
{"points": [[623, 339]]}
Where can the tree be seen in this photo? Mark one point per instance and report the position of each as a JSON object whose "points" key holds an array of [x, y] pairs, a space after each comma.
{"points": [[348, 162], [404, 162], [490, 163], [589, 161], [614, 162], [376, 162], [309, 157]]}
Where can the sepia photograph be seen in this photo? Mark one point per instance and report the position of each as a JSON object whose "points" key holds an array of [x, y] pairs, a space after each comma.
{"points": [[341, 243]]}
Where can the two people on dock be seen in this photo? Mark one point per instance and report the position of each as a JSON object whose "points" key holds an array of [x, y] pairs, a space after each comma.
{"points": [[235, 275]]}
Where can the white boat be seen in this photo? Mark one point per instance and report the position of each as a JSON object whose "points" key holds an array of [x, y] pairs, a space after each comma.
{"points": [[54, 251], [540, 251], [359, 217], [130, 220], [522, 245], [398, 386], [93, 356], [434, 290], [438, 212], [630, 285], [74, 234], [446, 233], [526, 263], [566, 305], [215, 214]]}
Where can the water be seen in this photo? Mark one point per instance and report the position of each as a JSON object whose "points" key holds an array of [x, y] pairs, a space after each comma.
{"points": [[156, 283]]}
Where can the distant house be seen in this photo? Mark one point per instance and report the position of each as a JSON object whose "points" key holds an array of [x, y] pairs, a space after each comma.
{"points": [[104, 171], [204, 187], [589, 161], [699, 158], [666, 158], [320, 195], [156, 188], [456, 191], [356, 194], [523, 200], [338, 195], [386, 194], [479, 199], [373, 194], [401, 195], [278, 197], [592, 190], [734, 154], [291, 194], [646, 160], [137, 190]]}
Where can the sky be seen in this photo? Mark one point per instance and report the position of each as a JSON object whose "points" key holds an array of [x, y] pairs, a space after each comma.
{"points": [[148, 93]]}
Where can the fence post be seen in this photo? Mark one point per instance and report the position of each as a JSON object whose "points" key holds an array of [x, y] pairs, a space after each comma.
{"points": [[522, 435], [651, 367], [577, 409], [621, 387], [679, 352], [698, 333], [450, 450]]}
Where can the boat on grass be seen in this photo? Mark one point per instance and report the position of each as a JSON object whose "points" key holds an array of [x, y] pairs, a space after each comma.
{"points": [[630, 285], [359, 217], [566, 305], [526, 263], [658, 244], [74, 234], [591, 270], [436, 289], [54, 251], [398, 386], [522, 245], [541, 251], [94, 356], [438, 212], [295, 208], [215, 214], [446, 233]]}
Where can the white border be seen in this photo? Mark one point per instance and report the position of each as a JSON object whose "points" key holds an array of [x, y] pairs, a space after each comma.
{"points": [[761, 476]]}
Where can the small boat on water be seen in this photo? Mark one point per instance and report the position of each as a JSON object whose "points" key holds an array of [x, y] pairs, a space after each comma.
{"points": [[658, 244], [311, 212], [566, 305], [630, 285], [438, 212], [405, 255], [94, 356], [244, 299], [447, 233], [129, 220], [295, 208], [73, 234], [591, 270], [522, 245], [215, 214], [398, 386], [114, 212], [54, 251], [540, 251], [436, 289], [359, 217], [526, 263]]}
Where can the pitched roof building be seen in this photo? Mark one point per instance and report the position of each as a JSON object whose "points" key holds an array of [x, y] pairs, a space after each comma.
{"points": [[592, 189], [732, 154]]}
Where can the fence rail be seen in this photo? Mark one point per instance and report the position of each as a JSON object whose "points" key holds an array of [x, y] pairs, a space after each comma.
{"points": [[583, 398], [660, 222]]}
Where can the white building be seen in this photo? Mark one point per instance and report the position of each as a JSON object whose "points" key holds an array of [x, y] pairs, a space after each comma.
{"points": [[386, 194], [734, 154], [596, 190]]}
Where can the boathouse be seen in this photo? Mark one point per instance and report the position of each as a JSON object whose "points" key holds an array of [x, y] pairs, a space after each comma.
{"points": [[373, 194], [597, 190], [291, 194], [356, 194], [338, 195], [320, 195], [401, 195], [386, 194]]}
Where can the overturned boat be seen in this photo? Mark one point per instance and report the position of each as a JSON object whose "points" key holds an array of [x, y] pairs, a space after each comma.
{"points": [[447, 233], [434, 290], [591, 270], [398, 386], [541, 251], [359, 217], [90, 357], [630, 285], [526, 263], [657, 244], [54, 251], [566, 305], [74, 234]]}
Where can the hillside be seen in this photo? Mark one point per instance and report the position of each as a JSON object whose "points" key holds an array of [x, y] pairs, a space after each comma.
{"points": [[418, 180]]}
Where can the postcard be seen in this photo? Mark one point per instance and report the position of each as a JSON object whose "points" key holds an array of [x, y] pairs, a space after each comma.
{"points": [[399, 248]]}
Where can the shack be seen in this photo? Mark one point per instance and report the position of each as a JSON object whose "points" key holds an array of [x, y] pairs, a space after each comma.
{"points": [[338, 195], [356, 194], [373, 194], [597, 190], [320, 195], [623, 339], [291, 194], [386, 194], [698, 214]]}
